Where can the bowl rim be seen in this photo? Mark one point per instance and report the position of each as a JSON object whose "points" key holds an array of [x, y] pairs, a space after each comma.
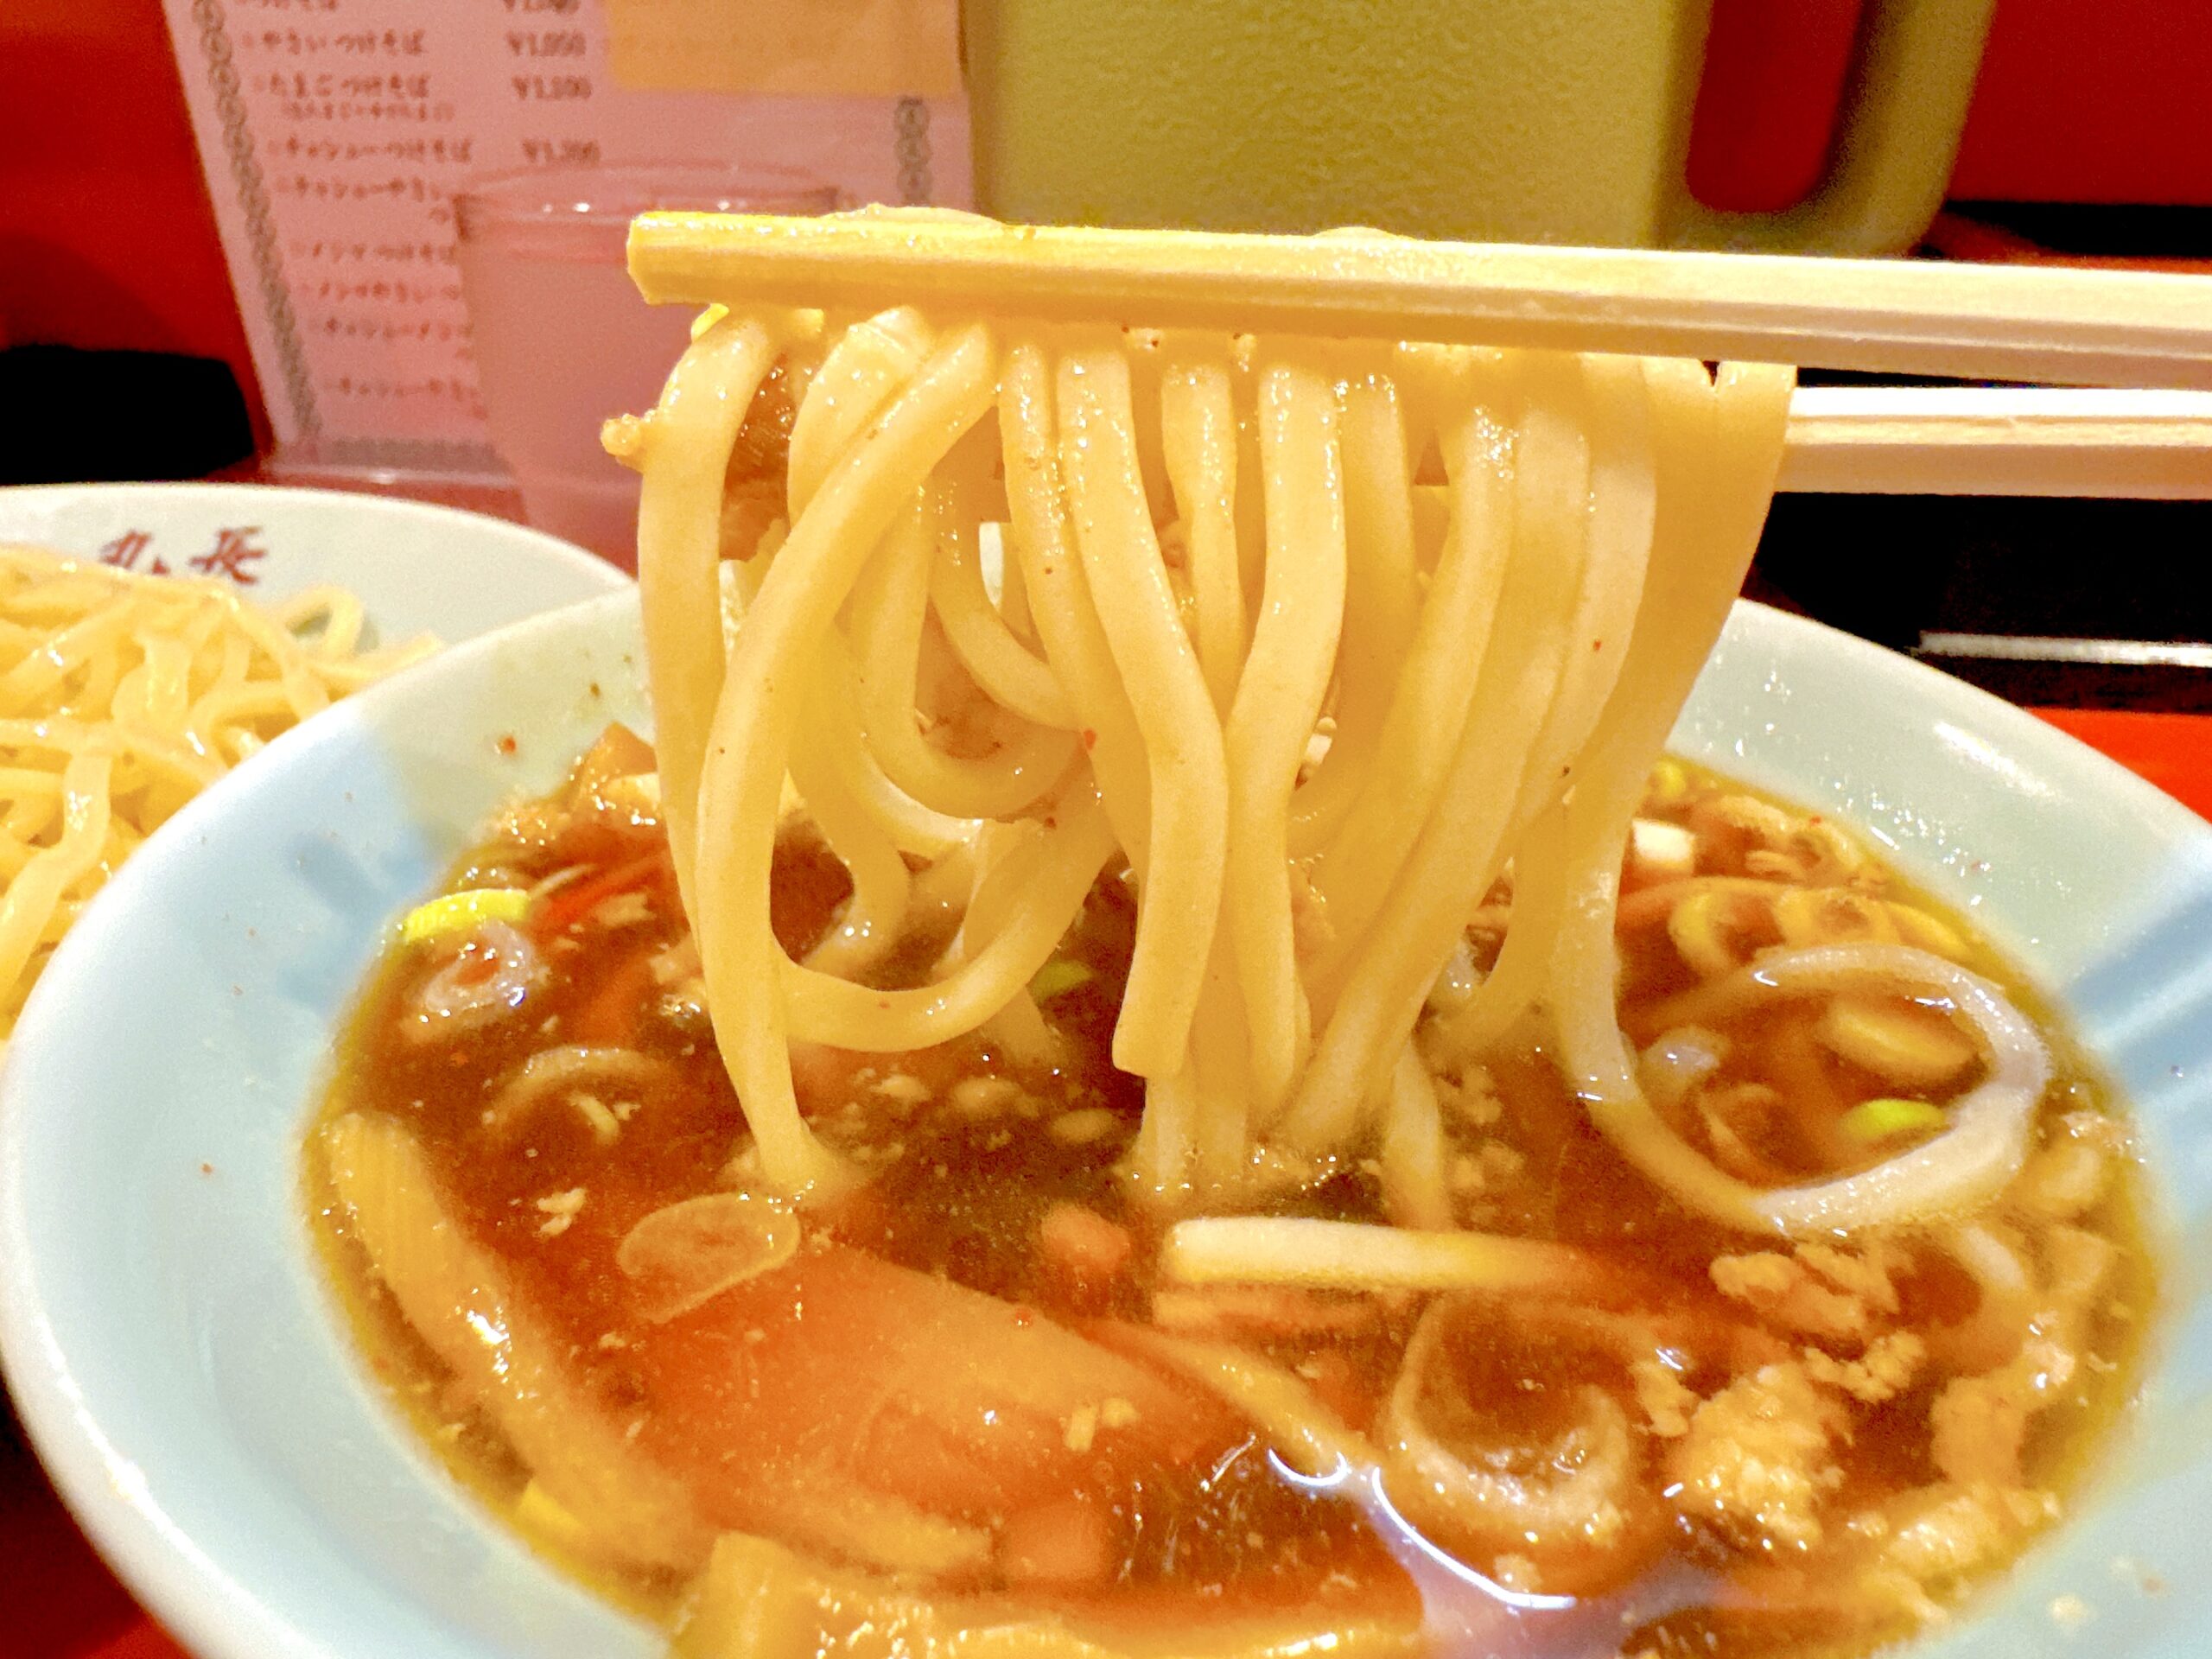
{"points": [[190, 1592], [315, 498], [186, 1592]]}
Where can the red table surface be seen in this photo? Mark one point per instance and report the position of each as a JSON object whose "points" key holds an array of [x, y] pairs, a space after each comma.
{"points": [[62, 1604], [2172, 751]]}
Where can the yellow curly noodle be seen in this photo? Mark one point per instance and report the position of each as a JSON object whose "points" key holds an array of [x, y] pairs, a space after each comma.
{"points": [[124, 695]]}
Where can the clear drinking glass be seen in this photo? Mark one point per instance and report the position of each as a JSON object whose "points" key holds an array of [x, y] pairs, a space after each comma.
{"points": [[561, 339]]}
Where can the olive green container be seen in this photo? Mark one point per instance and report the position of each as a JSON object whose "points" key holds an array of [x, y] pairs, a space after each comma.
{"points": [[1515, 120]]}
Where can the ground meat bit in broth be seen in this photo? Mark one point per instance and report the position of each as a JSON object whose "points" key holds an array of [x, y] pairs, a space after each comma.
{"points": [[1756, 1461], [1818, 1290]]}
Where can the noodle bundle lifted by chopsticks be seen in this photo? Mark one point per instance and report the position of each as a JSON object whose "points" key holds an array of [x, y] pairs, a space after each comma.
{"points": [[122, 697], [1320, 638]]}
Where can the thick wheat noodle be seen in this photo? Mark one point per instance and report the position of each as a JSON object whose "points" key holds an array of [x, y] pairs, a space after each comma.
{"points": [[832, 727], [1304, 1433], [1198, 434], [1249, 509], [1385, 980], [1689, 586], [1544, 872], [202, 645], [1142, 354], [1325, 1255], [826, 1009], [1004, 861], [1967, 1164], [1588, 1466], [1167, 1137], [209, 709], [1180, 900], [1414, 1181], [31, 808], [1220, 1061], [687, 445], [999, 866], [1014, 594], [1420, 731], [1382, 604], [1278, 699], [345, 677], [229, 713], [1612, 437], [749, 741], [102, 672], [1059, 596], [1484, 712], [1552, 511], [870, 921], [1007, 670], [854, 382], [1685, 600], [1623, 513], [887, 617], [1019, 1032], [1687, 593]]}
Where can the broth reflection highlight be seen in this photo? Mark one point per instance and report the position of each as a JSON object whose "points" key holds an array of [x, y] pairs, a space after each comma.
{"points": [[993, 1397]]}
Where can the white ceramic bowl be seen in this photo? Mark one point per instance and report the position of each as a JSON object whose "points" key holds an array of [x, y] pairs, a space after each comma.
{"points": [[418, 568], [182, 1369]]}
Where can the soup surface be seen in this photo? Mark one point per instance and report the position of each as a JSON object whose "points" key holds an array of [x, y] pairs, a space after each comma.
{"points": [[966, 1407]]}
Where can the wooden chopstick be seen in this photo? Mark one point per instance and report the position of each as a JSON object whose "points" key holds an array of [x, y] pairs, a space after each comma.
{"points": [[1999, 441], [2005, 322]]}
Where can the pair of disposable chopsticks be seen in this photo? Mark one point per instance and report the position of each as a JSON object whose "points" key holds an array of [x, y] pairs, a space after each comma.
{"points": [[2064, 327], [1999, 441]]}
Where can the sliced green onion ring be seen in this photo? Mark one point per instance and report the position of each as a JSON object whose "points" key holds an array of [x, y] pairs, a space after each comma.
{"points": [[456, 913]]}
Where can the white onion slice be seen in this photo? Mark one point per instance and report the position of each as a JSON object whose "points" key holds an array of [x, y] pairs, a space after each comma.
{"points": [[464, 996], [1952, 1173]]}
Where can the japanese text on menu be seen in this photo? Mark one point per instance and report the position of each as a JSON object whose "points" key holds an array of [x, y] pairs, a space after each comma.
{"points": [[335, 134]]}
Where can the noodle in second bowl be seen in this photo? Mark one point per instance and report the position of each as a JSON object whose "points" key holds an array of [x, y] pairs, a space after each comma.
{"points": [[121, 697]]}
